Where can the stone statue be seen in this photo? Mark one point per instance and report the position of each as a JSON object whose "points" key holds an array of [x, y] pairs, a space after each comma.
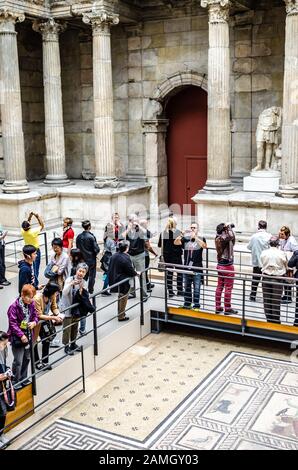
{"points": [[267, 137]]}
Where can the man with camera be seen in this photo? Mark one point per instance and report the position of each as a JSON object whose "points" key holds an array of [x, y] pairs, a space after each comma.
{"points": [[193, 246], [224, 243]]}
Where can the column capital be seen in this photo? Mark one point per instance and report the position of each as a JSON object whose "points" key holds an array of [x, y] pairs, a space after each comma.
{"points": [[50, 29], [291, 7], [101, 20], [8, 18], [218, 10]]}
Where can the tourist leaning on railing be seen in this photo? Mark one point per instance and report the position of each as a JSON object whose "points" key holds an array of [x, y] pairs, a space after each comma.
{"points": [[22, 319], [71, 321], [48, 314], [121, 268]]}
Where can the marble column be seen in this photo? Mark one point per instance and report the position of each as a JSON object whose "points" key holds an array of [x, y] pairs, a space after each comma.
{"points": [[289, 178], [11, 105], [101, 20], [54, 128], [219, 129]]}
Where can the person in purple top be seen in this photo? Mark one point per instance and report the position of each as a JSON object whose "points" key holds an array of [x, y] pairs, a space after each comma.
{"points": [[22, 318]]}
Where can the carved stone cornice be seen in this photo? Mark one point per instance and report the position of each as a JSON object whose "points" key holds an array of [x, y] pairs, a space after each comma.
{"points": [[50, 29], [291, 7], [218, 10], [101, 21]]}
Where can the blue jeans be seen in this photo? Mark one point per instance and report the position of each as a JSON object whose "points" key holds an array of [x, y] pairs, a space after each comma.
{"points": [[189, 280], [83, 324], [106, 281], [36, 265]]}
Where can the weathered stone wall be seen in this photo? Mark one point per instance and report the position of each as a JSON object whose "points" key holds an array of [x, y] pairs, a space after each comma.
{"points": [[257, 67], [121, 104], [31, 79], [143, 56], [72, 109]]}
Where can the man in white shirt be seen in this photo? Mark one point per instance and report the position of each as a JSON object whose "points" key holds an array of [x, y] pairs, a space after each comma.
{"points": [[257, 244], [274, 266]]}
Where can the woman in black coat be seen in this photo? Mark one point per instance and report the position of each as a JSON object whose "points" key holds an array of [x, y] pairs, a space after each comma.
{"points": [[293, 263], [172, 254]]}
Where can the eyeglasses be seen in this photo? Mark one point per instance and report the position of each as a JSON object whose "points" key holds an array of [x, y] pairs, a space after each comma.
{"points": [[193, 228]]}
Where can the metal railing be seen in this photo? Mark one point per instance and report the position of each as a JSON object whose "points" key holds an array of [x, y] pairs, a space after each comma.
{"points": [[260, 308], [13, 249], [55, 357], [250, 319]]}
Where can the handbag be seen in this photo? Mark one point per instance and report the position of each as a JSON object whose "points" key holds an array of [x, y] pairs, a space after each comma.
{"points": [[9, 395], [48, 273], [47, 330]]}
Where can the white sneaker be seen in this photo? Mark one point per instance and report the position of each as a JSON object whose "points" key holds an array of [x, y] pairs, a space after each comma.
{"points": [[55, 343]]}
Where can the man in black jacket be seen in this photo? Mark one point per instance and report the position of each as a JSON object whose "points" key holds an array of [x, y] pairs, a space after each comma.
{"points": [[26, 268], [120, 268], [87, 244]]}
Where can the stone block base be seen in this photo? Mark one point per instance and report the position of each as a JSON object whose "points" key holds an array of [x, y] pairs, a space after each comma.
{"points": [[79, 201], [245, 209], [262, 181]]}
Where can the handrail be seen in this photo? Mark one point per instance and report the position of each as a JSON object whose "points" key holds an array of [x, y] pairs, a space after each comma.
{"points": [[243, 324]]}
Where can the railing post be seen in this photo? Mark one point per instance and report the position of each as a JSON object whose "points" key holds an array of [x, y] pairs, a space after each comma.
{"points": [[166, 293], [46, 247], [95, 338], [142, 299], [207, 265], [31, 346], [83, 369], [243, 307]]}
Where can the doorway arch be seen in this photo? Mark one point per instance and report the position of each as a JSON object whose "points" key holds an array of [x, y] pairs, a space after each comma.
{"points": [[155, 126], [186, 146]]}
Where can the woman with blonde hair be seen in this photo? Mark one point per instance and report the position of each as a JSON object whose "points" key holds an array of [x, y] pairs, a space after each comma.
{"points": [[172, 254]]}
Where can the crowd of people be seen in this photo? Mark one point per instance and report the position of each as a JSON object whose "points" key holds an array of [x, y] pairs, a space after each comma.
{"points": [[71, 278]]}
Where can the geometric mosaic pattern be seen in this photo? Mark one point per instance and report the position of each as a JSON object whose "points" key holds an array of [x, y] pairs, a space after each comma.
{"points": [[248, 403]]}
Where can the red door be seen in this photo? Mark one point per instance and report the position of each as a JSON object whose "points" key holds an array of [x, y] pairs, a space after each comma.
{"points": [[187, 145]]}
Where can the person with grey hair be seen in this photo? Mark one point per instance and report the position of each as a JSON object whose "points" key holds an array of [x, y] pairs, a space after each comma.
{"points": [[70, 322], [121, 269], [274, 266]]}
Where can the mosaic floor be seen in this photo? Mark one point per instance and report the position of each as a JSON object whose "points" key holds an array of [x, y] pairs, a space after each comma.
{"points": [[247, 402]]}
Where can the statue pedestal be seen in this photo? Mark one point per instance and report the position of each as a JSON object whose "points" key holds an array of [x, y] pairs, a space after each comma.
{"points": [[262, 181]]}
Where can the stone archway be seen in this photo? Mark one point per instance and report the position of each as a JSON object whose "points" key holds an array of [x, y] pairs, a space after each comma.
{"points": [[155, 128]]}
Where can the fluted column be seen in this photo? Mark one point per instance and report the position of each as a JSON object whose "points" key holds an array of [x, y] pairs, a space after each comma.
{"points": [[54, 128], [289, 178], [11, 106], [101, 20], [219, 133]]}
